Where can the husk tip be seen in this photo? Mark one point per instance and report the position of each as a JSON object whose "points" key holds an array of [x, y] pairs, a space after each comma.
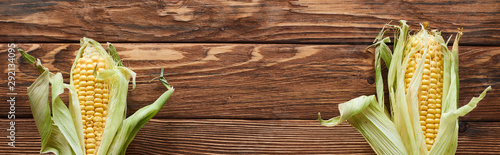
{"points": [[321, 121]]}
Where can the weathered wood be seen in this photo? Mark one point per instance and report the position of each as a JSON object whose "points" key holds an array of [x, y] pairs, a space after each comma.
{"points": [[223, 136], [275, 21], [265, 81]]}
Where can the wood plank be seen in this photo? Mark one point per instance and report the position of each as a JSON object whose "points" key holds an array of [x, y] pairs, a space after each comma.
{"points": [[275, 21], [222, 136], [254, 81]]}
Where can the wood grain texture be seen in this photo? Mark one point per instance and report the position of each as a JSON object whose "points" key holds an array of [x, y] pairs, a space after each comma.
{"points": [[254, 81], [223, 136], [222, 21]]}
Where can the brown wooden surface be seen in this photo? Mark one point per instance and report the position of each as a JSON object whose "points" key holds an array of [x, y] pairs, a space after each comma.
{"points": [[278, 21], [250, 75], [229, 136], [271, 81]]}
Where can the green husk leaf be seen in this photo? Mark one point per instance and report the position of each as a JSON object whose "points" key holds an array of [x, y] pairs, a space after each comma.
{"points": [[52, 139], [380, 35], [130, 75], [131, 126], [57, 143], [347, 110], [114, 54], [30, 59], [381, 51], [365, 114], [385, 52], [381, 47], [446, 140], [117, 105], [38, 94], [462, 111], [62, 115], [76, 115], [454, 52]]}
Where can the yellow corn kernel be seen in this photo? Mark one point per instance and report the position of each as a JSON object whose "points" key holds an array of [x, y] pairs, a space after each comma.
{"points": [[97, 114], [94, 58], [89, 108], [90, 140], [431, 88], [99, 110], [98, 91], [90, 151]]}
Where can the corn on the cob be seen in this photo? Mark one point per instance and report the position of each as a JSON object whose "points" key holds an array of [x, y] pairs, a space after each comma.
{"points": [[423, 91], [93, 95], [431, 89], [95, 122]]}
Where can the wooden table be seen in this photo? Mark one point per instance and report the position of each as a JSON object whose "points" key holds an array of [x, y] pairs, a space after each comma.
{"points": [[250, 75]]}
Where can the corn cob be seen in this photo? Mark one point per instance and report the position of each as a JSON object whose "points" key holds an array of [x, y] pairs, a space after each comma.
{"points": [[94, 123], [93, 95], [431, 89], [423, 90]]}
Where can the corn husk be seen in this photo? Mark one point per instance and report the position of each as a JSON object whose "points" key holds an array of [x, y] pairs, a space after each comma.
{"points": [[364, 114], [404, 132], [62, 133]]}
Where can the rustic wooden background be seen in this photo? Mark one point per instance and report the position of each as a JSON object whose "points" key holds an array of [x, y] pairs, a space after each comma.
{"points": [[250, 75]]}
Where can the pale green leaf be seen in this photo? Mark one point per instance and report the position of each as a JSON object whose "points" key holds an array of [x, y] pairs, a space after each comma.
{"points": [[52, 138], [381, 51], [385, 52], [76, 115], [62, 116], [114, 54], [131, 126], [448, 128], [364, 114], [30, 59], [118, 83], [128, 73], [57, 143], [462, 111], [347, 110], [38, 94], [454, 52]]}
